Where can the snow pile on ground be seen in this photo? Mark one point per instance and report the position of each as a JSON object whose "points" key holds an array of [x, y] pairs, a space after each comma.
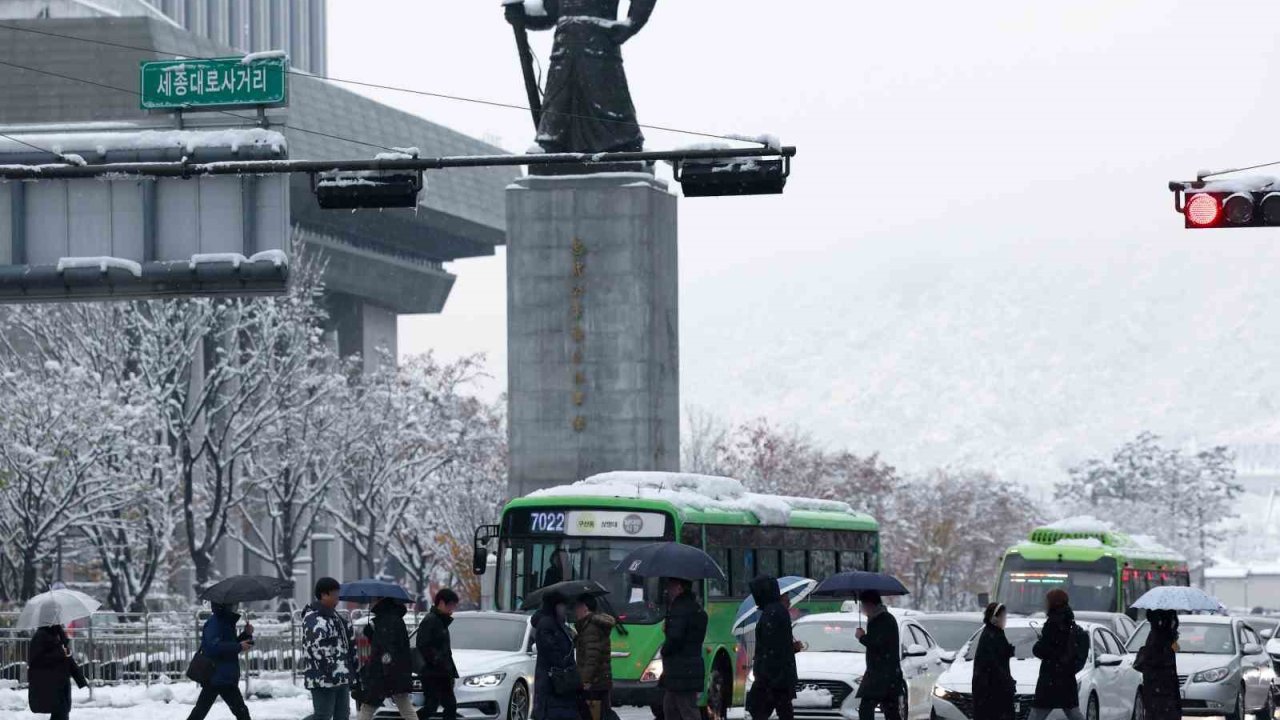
{"points": [[696, 492], [268, 699], [813, 697]]}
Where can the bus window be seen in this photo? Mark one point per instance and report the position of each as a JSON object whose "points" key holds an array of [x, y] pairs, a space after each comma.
{"points": [[852, 560], [793, 563], [822, 563], [767, 562], [1093, 586], [719, 588], [742, 565], [691, 535]]}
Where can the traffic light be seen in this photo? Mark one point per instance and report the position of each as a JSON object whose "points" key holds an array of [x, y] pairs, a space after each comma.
{"points": [[1212, 208], [732, 176]]}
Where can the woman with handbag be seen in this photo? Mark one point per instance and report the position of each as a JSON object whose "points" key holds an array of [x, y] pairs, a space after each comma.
{"points": [[50, 670], [217, 663], [557, 687]]}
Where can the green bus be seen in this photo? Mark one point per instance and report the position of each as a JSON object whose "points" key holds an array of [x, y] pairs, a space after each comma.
{"points": [[1102, 570], [583, 530]]}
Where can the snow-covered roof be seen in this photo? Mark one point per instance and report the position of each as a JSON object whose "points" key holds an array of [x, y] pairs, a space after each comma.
{"points": [[695, 492], [1081, 524], [1087, 531], [1238, 572]]}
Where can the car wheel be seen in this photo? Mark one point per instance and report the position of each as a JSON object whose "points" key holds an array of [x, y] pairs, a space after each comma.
{"points": [[1092, 712], [1139, 709], [717, 705], [518, 703], [1268, 711], [1239, 710]]}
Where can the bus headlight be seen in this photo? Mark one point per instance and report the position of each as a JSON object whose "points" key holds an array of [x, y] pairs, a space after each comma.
{"points": [[653, 672]]}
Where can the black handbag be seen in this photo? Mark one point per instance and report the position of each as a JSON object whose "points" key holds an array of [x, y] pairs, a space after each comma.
{"points": [[566, 682], [200, 670]]}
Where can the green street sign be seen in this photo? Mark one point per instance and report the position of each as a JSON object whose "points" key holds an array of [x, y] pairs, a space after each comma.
{"points": [[215, 83]]}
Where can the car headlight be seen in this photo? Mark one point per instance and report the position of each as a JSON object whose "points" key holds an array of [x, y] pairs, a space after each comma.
{"points": [[653, 671], [1211, 676], [488, 680], [941, 692]]}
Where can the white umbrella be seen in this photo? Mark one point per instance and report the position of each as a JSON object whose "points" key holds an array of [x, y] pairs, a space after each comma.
{"points": [[56, 607], [1176, 597]]}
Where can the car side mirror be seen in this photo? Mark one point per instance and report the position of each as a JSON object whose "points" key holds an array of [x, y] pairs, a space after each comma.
{"points": [[1252, 649], [948, 656], [1268, 634], [915, 650], [480, 560], [1109, 660]]}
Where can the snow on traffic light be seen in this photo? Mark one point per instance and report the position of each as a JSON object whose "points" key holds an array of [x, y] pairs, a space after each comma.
{"points": [[1228, 203]]}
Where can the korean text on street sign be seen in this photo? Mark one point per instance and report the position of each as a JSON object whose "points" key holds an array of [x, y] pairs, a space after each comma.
{"points": [[217, 82]]}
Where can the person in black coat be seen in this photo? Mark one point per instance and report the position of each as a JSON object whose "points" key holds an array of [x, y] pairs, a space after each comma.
{"points": [[993, 685], [684, 674], [556, 659], [1060, 659], [1158, 663], [389, 673], [220, 643], [882, 684], [436, 649], [50, 670], [774, 664]]}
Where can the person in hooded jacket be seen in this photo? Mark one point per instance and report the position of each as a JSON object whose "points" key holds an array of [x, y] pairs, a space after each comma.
{"points": [[555, 660], [774, 664], [683, 671], [1059, 652], [882, 684], [993, 685], [220, 643], [1157, 661], [389, 673], [594, 647], [50, 670]]}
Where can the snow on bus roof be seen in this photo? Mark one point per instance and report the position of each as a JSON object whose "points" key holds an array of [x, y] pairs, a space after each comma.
{"points": [[695, 492], [1090, 525]]}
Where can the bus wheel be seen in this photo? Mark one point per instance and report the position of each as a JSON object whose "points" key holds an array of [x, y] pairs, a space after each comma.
{"points": [[719, 694]]}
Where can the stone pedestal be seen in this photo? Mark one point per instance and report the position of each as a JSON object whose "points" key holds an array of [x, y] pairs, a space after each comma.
{"points": [[592, 331]]}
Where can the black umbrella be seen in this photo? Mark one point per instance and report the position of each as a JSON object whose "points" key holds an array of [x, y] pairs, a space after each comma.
{"points": [[670, 559], [246, 588], [567, 590], [853, 582]]}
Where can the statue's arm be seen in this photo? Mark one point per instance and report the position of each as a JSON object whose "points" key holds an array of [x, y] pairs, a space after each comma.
{"points": [[639, 13], [544, 22]]}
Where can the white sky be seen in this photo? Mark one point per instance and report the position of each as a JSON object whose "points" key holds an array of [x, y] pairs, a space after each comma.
{"points": [[936, 140]]}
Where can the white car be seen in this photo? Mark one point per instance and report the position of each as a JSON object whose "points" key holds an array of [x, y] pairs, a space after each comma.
{"points": [[833, 662], [1108, 683], [495, 658]]}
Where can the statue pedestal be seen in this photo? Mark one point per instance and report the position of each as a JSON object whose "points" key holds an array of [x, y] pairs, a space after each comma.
{"points": [[592, 331]]}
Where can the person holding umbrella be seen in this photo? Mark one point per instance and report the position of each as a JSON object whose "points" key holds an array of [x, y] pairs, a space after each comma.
{"points": [[1157, 661], [557, 687], [993, 685], [774, 664], [50, 665], [683, 672], [221, 645], [389, 673], [882, 683]]}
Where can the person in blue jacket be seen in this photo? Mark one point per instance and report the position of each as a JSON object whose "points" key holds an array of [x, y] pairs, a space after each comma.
{"points": [[220, 643]]}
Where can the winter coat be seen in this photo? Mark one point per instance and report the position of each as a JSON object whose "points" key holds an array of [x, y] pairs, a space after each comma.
{"points": [[993, 685], [436, 647], [221, 644], [883, 678], [1157, 662], [775, 660], [594, 646], [330, 648], [685, 629], [50, 670], [390, 668], [555, 651], [1059, 655]]}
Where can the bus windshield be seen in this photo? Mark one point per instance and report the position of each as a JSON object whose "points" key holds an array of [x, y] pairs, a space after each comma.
{"points": [[1091, 585], [526, 564]]}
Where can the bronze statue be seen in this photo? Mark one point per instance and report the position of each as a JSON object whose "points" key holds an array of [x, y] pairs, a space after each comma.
{"points": [[587, 105]]}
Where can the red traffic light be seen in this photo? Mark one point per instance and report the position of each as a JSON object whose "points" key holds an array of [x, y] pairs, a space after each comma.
{"points": [[1203, 210]]}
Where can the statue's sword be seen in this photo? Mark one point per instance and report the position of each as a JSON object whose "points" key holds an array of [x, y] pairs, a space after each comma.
{"points": [[526, 64]]}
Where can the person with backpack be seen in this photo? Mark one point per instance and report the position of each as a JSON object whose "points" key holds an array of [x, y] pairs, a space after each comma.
{"points": [[389, 673], [1062, 654], [220, 643], [435, 647], [330, 654], [993, 685]]}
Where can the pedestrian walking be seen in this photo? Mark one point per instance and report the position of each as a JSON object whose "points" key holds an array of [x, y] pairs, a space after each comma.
{"points": [[882, 684], [774, 664], [50, 670], [993, 686], [389, 672], [436, 649], [329, 651], [594, 651], [1158, 663], [683, 672], [1063, 649], [222, 645], [557, 688]]}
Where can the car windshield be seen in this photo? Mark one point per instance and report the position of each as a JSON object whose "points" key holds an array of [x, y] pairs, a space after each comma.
{"points": [[949, 633], [470, 632], [829, 637], [1193, 639], [1022, 639]]}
